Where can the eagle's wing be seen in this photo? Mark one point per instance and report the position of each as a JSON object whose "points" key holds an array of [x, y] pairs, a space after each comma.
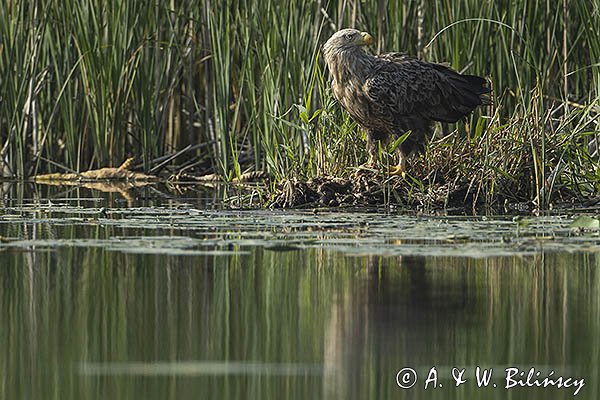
{"points": [[400, 86]]}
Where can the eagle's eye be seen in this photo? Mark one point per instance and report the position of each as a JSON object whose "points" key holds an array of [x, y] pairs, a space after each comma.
{"points": [[350, 36]]}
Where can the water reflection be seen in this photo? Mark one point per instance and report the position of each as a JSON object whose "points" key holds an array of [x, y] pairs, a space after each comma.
{"points": [[229, 326], [180, 301]]}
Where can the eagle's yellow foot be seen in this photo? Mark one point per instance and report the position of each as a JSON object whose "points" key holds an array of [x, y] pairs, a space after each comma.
{"points": [[398, 170]]}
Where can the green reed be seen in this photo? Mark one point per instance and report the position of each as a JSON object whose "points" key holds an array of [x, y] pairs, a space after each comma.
{"points": [[88, 83]]}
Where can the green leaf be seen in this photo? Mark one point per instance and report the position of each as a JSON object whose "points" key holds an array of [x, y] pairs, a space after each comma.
{"points": [[303, 113], [586, 222], [522, 222], [399, 141], [479, 127], [316, 114], [304, 117]]}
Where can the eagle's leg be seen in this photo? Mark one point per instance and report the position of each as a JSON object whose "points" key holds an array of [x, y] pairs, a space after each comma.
{"points": [[400, 169], [372, 147]]}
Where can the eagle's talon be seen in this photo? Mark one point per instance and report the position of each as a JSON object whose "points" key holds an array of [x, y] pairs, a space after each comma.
{"points": [[397, 170]]}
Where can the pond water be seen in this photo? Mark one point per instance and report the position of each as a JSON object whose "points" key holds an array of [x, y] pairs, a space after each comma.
{"points": [[171, 298]]}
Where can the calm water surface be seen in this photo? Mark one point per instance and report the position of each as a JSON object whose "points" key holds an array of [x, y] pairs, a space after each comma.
{"points": [[174, 299]]}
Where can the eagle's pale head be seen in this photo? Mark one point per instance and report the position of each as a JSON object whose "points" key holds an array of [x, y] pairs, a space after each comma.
{"points": [[344, 56], [347, 39]]}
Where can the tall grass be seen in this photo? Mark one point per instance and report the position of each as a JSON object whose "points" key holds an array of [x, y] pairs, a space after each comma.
{"points": [[88, 83]]}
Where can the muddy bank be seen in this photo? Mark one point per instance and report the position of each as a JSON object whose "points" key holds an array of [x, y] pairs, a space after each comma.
{"points": [[434, 192], [370, 188]]}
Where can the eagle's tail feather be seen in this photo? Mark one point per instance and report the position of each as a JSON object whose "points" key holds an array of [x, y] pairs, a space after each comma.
{"points": [[467, 93]]}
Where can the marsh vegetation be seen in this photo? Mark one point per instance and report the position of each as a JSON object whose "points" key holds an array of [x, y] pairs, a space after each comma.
{"points": [[238, 85]]}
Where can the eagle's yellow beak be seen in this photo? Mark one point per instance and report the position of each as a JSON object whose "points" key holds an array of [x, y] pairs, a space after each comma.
{"points": [[367, 39]]}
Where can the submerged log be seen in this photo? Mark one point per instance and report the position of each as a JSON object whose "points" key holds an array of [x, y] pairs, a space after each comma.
{"points": [[246, 177], [121, 173]]}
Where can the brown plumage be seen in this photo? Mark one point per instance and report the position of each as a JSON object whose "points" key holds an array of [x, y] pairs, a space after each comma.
{"points": [[391, 94]]}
